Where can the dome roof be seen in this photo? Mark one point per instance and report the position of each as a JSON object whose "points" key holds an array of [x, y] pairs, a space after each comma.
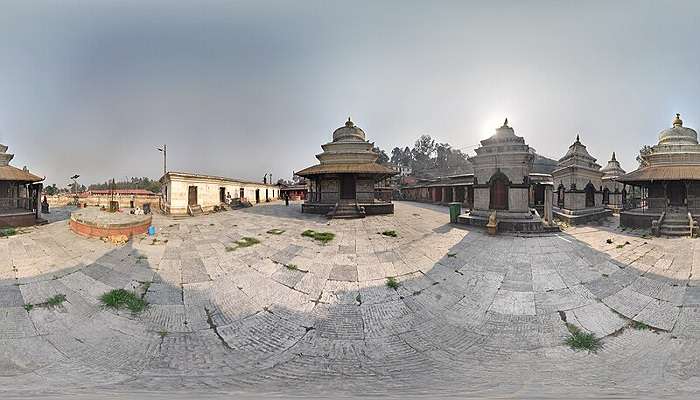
{"points": [[678, 134], [349, 132]]}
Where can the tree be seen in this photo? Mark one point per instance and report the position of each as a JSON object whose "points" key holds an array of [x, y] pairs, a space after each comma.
{"points": [[643, 152], [51, 190], [383, 157], [422, 152]]}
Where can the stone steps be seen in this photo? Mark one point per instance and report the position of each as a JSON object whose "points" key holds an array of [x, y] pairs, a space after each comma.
{"points": [[676, 224]]}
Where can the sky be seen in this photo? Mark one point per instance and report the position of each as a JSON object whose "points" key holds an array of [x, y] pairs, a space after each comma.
{"points": [[245, 88]]}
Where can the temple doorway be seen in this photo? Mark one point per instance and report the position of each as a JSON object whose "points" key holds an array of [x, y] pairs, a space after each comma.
{"points": [[499, 194], [675, 192], [192, 196], [347, 187], [222, 195], [590, 195]]}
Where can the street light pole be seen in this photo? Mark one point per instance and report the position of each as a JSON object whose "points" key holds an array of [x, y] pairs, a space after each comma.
{"points": [[164, 150]]}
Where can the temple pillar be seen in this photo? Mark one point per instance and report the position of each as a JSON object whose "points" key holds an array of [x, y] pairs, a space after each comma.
{"points": [[454, 193], [548, 196]]}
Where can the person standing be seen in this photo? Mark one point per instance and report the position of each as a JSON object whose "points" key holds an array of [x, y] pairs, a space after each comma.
{"points": [[286, 199]]}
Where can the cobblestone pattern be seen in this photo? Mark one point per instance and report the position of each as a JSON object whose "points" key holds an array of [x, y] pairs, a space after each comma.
{"points": [[472, 315]]}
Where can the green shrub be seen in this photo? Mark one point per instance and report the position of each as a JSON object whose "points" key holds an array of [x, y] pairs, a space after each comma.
{"points": [[121, 298], [390, 233]]}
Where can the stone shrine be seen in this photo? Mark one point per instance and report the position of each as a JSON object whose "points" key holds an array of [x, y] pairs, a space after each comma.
{"points": [[614, 192], [579, 184], [502, 184]]}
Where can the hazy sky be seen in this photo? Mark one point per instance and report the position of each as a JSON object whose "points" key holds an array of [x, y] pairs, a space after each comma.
{"points": [[240, 88]]}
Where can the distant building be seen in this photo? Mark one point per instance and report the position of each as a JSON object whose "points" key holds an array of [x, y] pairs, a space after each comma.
{"points": [[20, 193], [347, 182], [295, 192], [187, 193]]}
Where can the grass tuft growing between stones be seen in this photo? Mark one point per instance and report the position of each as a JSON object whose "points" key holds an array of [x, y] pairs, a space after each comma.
{"points": [[579, 340], [292, 267], [243, 242], [392, 283], [28, 307], [8, 232], [323, 237], [390, 233], [276, 231], [121, 298], [640, 326], [56, 300]]}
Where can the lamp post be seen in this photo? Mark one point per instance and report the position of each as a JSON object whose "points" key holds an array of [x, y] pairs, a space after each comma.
{"points": [[164, 150], [75, 185]]}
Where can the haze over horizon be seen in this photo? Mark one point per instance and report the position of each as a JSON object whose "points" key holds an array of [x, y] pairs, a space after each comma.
{"points": [[241, 89]]}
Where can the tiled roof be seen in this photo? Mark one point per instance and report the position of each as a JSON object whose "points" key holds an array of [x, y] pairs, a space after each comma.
{"points": [[663, 173], [10, 173], [349, 168]]}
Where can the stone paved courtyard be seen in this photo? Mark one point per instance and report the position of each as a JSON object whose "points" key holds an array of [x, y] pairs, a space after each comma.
{"points": [[473, 315]]}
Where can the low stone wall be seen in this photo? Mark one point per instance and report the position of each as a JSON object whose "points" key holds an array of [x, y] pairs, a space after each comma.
{"points": [[125, 201], [89, 226], [17, 220], [580, 217], [632, 219]]}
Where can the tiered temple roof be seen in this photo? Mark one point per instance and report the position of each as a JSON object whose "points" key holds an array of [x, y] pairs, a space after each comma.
{"points": [[10, 173]]}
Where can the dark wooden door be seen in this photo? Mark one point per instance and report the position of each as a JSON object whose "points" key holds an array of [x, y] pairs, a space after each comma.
{"points": [[222, 195], [192, 196], [242, 194], [499, 195], [347, 187], [590, 196], [676, 194], [257, 195]]}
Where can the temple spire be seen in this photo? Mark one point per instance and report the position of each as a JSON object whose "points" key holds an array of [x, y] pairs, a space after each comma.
{"points": [[349, 123], [578, 140], [505, 123]]}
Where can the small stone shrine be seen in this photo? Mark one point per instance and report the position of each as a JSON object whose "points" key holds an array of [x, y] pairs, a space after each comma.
{"points": [[579, 184]]}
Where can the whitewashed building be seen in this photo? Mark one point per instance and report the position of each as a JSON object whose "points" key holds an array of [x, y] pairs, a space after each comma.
{"points": [[187, 193]]}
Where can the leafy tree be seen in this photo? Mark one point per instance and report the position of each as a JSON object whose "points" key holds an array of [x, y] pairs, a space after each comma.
{"points": [[51, 190], [383, 157], [422, 152], [133, 183], [644, 151]]}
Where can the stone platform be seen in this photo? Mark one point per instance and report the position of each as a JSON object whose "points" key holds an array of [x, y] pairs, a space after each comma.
{"points": [[581, 216], [93, 222], [535, 224]]}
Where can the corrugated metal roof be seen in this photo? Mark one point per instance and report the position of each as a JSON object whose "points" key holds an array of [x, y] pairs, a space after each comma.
{"points": [[342, 168], [10, 173], [663, 173]]}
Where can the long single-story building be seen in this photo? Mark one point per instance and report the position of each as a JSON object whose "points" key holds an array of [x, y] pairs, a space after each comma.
{"points": [[187, 193]]}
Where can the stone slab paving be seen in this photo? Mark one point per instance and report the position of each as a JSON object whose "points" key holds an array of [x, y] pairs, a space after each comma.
{"points": [[473, 315]]}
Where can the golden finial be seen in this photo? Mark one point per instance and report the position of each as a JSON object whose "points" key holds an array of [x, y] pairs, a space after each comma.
{"points": [[349, 123], [505, 123], [677, 121], [613, 157]]}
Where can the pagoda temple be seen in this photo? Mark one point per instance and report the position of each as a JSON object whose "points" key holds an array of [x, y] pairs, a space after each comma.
{"points": [[667, 183], [345, 182]]}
